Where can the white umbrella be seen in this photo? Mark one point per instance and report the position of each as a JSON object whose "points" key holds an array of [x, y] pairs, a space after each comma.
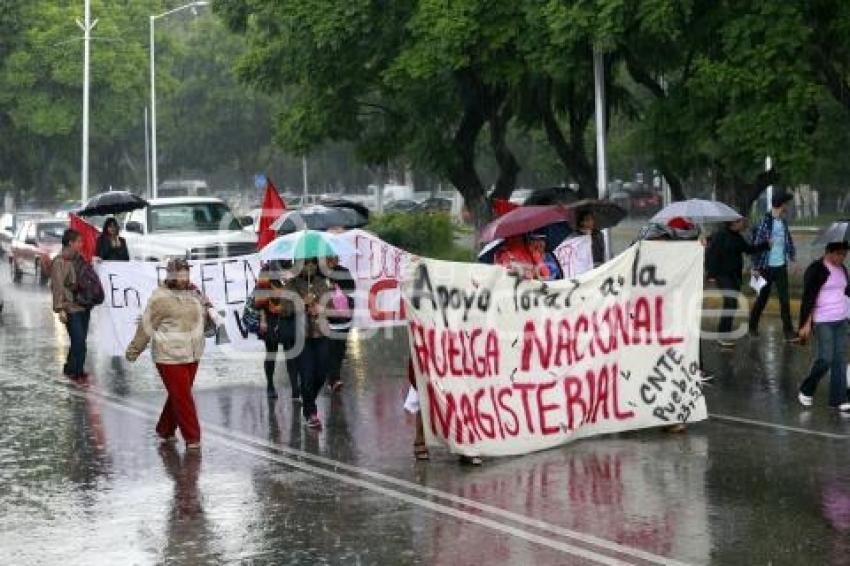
{"points": [[697, 210]]}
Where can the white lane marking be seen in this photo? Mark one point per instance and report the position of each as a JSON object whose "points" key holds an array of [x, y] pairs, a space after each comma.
{"points": [[765, 424], [411, 486], [144, 412]]}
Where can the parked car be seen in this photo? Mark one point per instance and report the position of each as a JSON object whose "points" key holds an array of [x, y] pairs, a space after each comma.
{"points": [[638, 201], [645, 202], [190, 227], [36, 244], [7, 233], [435, 205], [9, 224], [402, 205], [183, 188]]}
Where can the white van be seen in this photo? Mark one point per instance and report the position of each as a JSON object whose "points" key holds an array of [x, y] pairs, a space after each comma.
{"points": [[183, 188]]}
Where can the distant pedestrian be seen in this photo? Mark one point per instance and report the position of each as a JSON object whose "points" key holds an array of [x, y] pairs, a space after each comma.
{"points": [[823, 313], [110, 246], [772, 265], [173, 322], [725, 265], [587, 226], [64, 275], [340, 316]]}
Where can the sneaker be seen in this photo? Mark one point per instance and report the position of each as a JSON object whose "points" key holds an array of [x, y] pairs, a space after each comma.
{"points": [[805, 400], [314, 422], [792, 337], [726, 344], [753, 332]]}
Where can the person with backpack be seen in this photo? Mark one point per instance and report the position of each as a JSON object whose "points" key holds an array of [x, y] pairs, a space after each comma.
{"points": [[76, 290], [340, 315]]}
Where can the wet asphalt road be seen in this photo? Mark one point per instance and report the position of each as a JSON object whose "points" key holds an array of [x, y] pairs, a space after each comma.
{"points": [[83, 480]]}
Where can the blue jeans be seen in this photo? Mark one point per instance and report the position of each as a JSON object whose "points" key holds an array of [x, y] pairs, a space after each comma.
{"points": [[831, 340], [78, 331]]}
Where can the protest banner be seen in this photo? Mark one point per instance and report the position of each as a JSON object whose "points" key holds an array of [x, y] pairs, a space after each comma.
{"points": [[378, 269], [227, 282], [507, 366]]}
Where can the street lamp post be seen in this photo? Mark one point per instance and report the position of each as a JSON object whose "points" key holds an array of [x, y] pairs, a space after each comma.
{"points": [[199, 3], [86, 25]]}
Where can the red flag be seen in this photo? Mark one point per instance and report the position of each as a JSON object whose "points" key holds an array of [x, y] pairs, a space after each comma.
{"points": [[502, 207], [88, 233], [273, 207]]}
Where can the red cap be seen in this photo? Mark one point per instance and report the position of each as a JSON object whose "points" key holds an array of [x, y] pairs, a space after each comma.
{"points": [[680, 223]]}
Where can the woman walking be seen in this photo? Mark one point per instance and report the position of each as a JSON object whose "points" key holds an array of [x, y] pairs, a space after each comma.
{"points": [[824, 313], [313, 291], [110, 246], [273, 299], [340, 315], [173, 322]]}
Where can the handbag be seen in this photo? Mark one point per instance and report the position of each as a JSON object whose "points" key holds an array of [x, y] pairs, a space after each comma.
{"points": [[251, 315]]}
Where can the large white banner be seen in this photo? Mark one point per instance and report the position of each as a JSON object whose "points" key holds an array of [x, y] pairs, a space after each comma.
{"points": [[508, 366], [377, 270]]}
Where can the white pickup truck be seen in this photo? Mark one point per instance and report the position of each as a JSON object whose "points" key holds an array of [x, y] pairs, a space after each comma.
{"points": [[190, 227]]}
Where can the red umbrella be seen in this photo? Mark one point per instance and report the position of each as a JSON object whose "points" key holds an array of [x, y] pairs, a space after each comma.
{"points": [[523, 220]]}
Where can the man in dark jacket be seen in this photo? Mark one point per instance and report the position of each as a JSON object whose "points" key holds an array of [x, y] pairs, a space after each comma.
{"points": [[824, 310], [725, 265], [772, 264]]}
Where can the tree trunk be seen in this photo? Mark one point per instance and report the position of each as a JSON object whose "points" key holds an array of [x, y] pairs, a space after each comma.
{"points": [[677, 191], [741, 195], [508, 166], [571, 153], [461, 170]]}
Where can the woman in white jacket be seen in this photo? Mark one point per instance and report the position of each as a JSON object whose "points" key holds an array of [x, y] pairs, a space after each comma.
{"points": [[174, 322]]}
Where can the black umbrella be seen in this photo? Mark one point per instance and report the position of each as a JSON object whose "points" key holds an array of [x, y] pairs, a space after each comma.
{"points": [[318, 217], [552, 195], [608, 214], [113, 202], [838, 232], [345, 203]]}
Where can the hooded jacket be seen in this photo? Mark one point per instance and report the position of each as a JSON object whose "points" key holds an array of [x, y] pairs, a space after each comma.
{"points": [[174, 322], [63, 279]]}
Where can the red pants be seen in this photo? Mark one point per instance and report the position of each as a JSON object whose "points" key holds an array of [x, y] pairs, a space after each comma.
{"points": [[179, 410]]}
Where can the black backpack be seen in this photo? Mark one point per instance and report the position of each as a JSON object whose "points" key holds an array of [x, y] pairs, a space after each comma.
{"points": [[88, 292]]}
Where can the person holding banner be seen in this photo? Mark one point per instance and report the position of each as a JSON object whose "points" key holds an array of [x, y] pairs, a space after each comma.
{"points": [[110, 246], [339, 318], [173, 322], [312, 289], [277, 323]]}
